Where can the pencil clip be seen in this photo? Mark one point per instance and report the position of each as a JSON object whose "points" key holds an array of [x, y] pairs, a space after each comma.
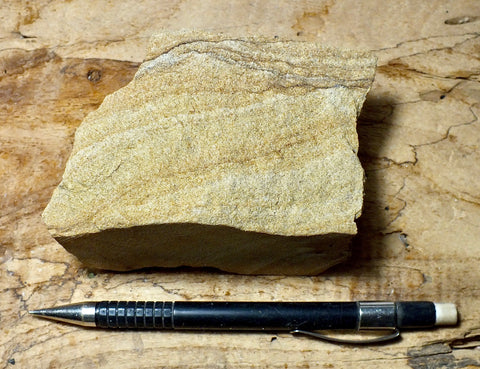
{"points": [[387, 337]]}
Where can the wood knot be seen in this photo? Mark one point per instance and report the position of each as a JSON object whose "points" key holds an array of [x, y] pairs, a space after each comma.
{"points": [[94, 75]]}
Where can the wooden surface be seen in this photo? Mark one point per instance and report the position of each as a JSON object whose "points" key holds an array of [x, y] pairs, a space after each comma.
{"points": [[419, 144]]}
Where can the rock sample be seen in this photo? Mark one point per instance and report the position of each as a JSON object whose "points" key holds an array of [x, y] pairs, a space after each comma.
{"points": [[233, 153]]}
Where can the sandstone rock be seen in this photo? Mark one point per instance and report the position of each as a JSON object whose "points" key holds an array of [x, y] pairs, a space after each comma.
{"points": [[234, 153]]}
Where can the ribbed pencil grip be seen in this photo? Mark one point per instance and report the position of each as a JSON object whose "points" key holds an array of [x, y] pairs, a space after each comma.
{"points": [[134, 314]]}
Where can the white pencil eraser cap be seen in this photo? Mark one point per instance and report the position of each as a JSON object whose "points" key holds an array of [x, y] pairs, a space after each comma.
{"points": [[446, 314]]}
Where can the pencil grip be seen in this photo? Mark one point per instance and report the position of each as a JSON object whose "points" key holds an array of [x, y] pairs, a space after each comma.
{"points": [[134, 314]]}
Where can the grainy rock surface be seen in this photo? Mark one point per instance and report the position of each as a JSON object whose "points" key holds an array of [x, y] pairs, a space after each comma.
{"points": [[234, 153]]}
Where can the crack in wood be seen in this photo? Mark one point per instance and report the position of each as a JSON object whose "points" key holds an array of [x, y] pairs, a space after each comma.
{"points": [[427, 38]]}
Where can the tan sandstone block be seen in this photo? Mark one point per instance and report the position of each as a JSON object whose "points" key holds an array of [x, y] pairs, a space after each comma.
{"points": [[234, 153]]}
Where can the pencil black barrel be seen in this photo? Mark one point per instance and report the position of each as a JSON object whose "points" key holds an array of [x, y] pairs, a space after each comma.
{"points": [[265, 315], [285, 316]]}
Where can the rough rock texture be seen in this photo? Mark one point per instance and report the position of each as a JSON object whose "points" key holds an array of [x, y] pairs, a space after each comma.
{"points": [[234, 153]]}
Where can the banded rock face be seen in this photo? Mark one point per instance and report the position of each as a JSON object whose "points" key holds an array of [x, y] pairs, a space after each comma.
{"points": [[234, 153]]}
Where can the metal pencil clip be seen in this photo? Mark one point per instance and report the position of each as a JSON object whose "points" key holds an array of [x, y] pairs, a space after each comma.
{"points": [[387, 337]]}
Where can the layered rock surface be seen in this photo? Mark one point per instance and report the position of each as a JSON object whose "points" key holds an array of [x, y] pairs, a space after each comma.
{"points": [[234, 153]]}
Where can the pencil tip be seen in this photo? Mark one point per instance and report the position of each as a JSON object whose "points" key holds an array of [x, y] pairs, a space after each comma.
{"points": [[80, 314]]}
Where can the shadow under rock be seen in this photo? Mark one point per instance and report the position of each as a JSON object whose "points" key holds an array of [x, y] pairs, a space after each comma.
{"points": [[373, 127], [199, 245]]}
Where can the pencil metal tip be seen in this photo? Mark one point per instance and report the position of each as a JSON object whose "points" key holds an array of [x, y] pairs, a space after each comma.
{"points": [[79, 314]]}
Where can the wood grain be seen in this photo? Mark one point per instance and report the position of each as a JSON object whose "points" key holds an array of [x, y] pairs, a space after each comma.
{"points": [[419, 137]]}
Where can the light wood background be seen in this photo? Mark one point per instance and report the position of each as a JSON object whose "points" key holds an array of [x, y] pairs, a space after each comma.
{"points": [[419, 135]]}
